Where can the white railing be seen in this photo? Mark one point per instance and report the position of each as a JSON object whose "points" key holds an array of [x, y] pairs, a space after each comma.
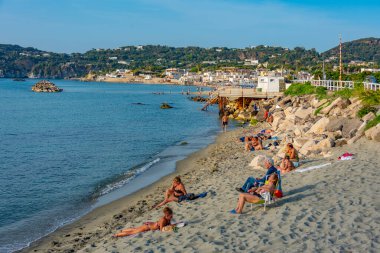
{"points": [[335, 85], [371, 86]]}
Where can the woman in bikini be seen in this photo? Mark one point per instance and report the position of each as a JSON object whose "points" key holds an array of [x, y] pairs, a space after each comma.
{"points": [[174, 192], [254, 195], [291, 152], [149, 226]]}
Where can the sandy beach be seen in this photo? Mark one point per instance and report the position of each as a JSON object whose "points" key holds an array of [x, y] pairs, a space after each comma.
{"points": [[331, 209]]}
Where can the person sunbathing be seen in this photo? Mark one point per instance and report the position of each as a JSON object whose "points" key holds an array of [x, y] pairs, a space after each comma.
{"points": [[256, 143], [286, 165], [174, 193], [254, 195], [162, 223], [247, 143], [291, 152]]}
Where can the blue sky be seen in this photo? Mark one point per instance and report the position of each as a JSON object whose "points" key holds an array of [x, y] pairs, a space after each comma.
{"points": [[79, 25]]}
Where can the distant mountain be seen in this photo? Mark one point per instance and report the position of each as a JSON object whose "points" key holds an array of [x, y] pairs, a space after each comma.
{"points": [[16, 61], [367, 49]]}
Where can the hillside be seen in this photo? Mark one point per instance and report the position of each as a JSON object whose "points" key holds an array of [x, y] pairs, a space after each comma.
{"points": [[367, 49], [16, 61]]}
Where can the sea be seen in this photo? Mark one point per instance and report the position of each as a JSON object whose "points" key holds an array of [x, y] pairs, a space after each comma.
{"points": [[64, 154]]}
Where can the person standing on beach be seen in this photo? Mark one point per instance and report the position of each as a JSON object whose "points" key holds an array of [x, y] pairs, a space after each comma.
{"points": [[149, 226], [224, 122]]}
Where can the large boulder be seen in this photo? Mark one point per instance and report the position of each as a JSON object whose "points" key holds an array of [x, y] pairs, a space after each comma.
{"points": [[258, 161], [308, 147], [337, 103], [320, 126], [304, 113], [340, 142], [299, 142], [373, 133], [352, 109], [335, 124], [324, 144], [369, 116], [350, 127], [317, 103]]}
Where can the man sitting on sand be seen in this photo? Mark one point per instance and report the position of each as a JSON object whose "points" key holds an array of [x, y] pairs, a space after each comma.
{"points": [[174, 193], [149, 226], [254, 196], [291, 152], [251, 181]]}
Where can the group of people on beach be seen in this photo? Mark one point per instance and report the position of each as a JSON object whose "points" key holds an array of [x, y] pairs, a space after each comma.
{"points": [[252, 191]]}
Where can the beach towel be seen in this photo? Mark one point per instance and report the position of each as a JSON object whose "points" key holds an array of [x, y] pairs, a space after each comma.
{"points": [[312, 167], [191, 196], [346, 156]]}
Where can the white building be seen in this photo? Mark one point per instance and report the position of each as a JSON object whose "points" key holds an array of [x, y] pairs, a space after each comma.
{"points": [[271, 83], [251, 62]]}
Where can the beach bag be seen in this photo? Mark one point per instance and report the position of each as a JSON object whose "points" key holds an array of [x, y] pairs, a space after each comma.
{"points": [[278, 194]]}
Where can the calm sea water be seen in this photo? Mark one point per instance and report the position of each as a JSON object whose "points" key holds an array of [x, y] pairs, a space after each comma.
{"points": [[63, 154]]}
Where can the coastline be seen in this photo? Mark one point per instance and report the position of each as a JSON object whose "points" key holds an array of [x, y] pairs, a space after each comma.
{"points": [[320, 209], [106, 213]]}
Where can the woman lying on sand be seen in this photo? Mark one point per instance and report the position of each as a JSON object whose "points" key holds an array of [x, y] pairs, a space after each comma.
{"points": [[164, 222], [286, 165], [254, 195], [174, 193]]}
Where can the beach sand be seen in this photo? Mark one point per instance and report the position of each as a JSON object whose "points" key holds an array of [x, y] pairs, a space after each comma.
{"points": [[332, 209]]}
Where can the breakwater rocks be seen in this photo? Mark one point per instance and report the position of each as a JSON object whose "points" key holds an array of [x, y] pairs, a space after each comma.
{"points": [[313, 125], [45, 86]]}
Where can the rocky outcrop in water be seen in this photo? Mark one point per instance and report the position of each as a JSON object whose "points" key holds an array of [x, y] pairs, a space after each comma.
{"points": [[45, 86], [165, 106]]}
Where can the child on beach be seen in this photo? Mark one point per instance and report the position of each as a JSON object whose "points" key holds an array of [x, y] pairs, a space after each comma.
{"points": [[163, 224], [286, 165]]}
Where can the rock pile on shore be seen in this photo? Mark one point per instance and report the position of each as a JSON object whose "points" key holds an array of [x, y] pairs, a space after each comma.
{"points": [[315, 126], [45, 86]]}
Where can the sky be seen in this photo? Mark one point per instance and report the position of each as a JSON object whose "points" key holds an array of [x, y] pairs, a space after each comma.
{"points": [[80, 25]]}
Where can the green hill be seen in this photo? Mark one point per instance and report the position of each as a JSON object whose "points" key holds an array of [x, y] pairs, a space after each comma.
{"points": [[367, 49], [16, 61]]}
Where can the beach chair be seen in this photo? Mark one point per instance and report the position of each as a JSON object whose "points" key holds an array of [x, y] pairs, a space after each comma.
{"points": [[269, 198]]}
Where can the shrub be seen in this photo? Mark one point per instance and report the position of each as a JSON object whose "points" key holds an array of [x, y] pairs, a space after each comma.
{"points": [[373, 122], [365, 110], [344, 93], [299, 89]]}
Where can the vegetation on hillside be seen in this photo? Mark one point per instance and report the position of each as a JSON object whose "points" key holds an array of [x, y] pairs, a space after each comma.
{"points": [[16, 61]]}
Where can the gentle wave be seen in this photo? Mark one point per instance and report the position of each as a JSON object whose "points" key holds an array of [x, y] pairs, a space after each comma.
{"points": [[127, 177]]}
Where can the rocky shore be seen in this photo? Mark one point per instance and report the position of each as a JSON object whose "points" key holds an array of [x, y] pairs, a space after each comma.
{"points": [[45, 86]]}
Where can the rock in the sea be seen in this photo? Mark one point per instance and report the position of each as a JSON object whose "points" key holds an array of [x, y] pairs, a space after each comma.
{"points": [[165, 106], [45, 86]]}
